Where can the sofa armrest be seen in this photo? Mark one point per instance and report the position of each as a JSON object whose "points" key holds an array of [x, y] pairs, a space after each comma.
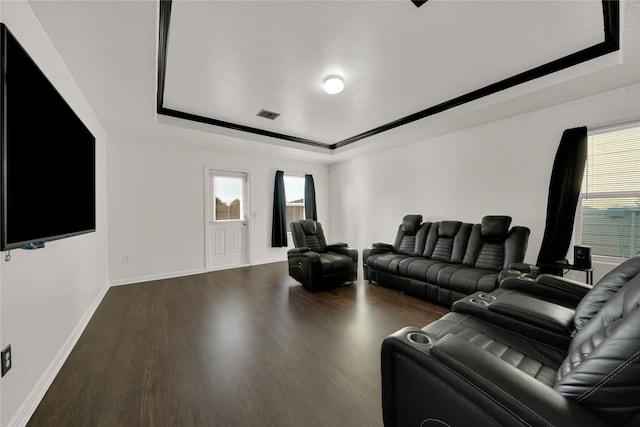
{"points": [[579, 288], [456, 382], [334, 246], [549, 286], [377, 248], [344, 249], [527, 315], [524, 268], [380, 245], [527, 398], [519, 269], [534, 311], [298, 251]]}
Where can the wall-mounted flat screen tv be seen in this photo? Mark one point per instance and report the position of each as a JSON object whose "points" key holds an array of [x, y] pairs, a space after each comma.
{"points": [[47, 157]]}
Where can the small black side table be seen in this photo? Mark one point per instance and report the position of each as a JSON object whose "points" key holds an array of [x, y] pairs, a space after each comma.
{"points": [[561, 267]]}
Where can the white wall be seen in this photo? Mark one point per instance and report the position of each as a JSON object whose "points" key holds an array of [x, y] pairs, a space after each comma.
{"points": [[156, 205], [502, 167], [156, 209], [48, 295]]}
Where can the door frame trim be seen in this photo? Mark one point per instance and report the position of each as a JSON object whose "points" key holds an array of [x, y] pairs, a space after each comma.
{"points": [[208, 171]]}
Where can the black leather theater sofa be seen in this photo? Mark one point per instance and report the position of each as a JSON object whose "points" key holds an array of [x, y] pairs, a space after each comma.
{"points": [[523, 362], [444, 261]]}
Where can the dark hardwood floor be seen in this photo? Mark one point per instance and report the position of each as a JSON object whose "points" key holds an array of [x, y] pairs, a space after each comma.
{"points": [[242, 347]]}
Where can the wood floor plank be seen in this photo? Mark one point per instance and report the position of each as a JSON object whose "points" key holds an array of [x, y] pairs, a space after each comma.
{"points": [[241, 347]]}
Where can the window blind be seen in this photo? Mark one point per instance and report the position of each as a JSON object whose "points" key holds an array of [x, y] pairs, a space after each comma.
{"points": [[609, 204]]}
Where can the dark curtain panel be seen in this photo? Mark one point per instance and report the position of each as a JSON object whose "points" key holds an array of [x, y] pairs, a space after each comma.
{"points": [[279, 225], [310, 211], [564, 189]]}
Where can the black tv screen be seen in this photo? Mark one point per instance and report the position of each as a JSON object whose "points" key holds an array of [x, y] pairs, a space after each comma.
{"points": [[48, 157]]}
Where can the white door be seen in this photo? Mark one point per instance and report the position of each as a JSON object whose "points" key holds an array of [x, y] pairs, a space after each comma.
{"points": [[227, 220]]}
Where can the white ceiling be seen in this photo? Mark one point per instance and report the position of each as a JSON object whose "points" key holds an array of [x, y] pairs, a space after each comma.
{"points": [[226, 60]]}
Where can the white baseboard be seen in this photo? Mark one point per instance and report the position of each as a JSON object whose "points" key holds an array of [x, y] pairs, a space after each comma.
{"points": [[140, 279], [28, 407], [153, 277], [269, 261]]}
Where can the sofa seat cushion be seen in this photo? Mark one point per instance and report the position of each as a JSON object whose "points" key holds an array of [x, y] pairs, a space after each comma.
{"points": [[538, 360], [457, 277], [334, 262], [468, 280], [386, 262], [422, 269]]}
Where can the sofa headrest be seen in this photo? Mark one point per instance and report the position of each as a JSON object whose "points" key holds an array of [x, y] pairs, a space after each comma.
{"points": [[309, 226], [495, 227], [411, 223], [448, 228]]}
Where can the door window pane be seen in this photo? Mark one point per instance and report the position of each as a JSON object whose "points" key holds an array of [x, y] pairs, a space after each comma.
{"points": [[227, 193]]}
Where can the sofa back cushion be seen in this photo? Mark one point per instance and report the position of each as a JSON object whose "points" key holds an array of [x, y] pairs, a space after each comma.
{"points": [[602, 368], [515, 247], [446, 241], [308, 233], [486, 249], [405, 242]]}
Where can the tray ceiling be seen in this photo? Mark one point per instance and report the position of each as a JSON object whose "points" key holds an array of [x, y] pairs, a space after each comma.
{"points": [[221, 62]]}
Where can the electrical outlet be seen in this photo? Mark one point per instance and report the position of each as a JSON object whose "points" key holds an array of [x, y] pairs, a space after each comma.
{"points": [[6, 359]]}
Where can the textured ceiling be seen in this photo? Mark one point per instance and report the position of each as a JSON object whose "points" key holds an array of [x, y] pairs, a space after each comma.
{"points": [[226, 60]]}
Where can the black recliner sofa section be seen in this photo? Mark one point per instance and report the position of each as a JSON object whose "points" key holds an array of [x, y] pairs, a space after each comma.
{"points": [[464, 370], [447, 260], [557, 304]]}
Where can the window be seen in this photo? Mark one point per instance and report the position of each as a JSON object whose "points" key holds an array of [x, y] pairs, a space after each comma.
{"points": [[294, 193], [608, 212], [228, 192]]}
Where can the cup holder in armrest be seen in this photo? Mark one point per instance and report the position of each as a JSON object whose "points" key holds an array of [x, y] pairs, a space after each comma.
{"points": [[418, 338], [478, 302], [486, 297]]}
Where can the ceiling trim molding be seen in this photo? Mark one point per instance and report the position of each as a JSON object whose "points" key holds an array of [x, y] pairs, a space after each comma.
{"points": [[163, 36], [611, 43], [229, 125]]}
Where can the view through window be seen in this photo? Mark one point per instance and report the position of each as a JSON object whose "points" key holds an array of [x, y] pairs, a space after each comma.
{"points": [[608, 214], [228, 196], [294, 193]]}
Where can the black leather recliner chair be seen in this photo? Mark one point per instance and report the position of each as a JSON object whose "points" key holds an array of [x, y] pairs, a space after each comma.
{"points": [[315, 264], [462, 370]]}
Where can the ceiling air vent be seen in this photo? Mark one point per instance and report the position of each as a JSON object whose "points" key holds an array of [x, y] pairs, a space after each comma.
{"points": [[268, 114]]}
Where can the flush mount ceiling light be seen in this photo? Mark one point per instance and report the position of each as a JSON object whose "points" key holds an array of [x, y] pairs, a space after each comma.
{"points": [[333, 84]]}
